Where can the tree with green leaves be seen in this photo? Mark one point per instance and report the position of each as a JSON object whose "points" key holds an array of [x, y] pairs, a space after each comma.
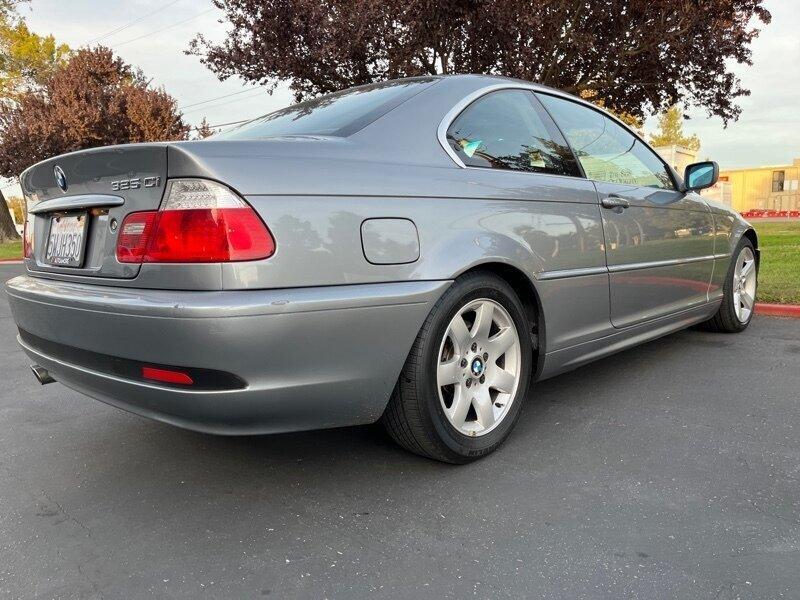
{"points": [[26, 59], [670, 130]]}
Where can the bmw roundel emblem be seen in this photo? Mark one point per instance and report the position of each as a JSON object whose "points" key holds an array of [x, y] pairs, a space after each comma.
{"points": [[61, 178], [477, 367]]}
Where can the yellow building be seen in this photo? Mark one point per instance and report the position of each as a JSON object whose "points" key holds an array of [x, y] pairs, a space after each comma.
{"points": [[767, 188]]}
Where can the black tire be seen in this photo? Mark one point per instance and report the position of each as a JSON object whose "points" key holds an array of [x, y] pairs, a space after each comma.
{"points": [[415, 418], [725, 320]]}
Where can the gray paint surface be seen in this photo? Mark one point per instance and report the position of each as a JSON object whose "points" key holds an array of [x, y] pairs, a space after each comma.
{"points": [[390, 241], [619, 481], [603, 280], [659, 226], [280, 342]]}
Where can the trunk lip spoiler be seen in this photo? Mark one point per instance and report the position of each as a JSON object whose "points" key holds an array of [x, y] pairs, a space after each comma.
{"points": [[76, 202]]}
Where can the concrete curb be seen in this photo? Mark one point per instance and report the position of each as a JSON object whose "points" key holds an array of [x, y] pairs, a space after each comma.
{"points": [[11, 261], [778, 310]]}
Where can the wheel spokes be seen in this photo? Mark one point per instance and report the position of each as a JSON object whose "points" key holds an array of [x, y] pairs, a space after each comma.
{"points": [[469, 374], [744, 284], [483, 322], [459, 333], [500, 343], [449, 372], [483, 408], [503, 381], [747, 300], [747, 268], [457, 413]]}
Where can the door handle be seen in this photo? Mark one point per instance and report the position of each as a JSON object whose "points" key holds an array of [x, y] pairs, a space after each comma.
{"points": [[615, 202]]}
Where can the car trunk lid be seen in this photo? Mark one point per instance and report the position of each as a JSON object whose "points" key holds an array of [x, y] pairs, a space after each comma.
{"points": [[77, 201]]}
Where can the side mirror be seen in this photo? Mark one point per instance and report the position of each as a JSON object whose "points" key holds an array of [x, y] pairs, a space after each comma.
{"points": [[699, 176]]}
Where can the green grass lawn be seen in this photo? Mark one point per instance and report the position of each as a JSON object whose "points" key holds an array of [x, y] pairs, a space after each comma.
{"points": [[11, 250], [779, 276]]}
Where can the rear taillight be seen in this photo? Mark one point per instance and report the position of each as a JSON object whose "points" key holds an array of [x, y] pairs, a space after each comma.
{"points": [[133, 236], [27, 237], [199, 221]]}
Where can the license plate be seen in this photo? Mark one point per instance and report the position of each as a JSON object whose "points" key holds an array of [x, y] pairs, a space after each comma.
{"points": [[67, 240]]}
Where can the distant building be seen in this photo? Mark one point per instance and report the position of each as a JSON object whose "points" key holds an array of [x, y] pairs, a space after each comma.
{"points": [[765, 188], [720, 192], [771, 188], [677, 157]]}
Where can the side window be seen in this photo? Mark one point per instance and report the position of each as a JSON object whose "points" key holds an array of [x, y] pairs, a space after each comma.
{"points": [[508, 129], [607, 151]]}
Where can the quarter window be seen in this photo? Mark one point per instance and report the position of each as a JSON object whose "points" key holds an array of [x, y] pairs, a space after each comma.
{"points": [[606, 150], [509, 130]]}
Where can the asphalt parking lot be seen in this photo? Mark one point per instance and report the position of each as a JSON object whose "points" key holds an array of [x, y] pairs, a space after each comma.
{"points": [[668, 471]]}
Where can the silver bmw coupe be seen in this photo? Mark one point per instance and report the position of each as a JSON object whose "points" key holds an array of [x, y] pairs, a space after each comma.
{"points": [[415, 252]]}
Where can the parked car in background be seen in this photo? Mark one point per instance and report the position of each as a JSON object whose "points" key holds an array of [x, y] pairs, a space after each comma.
{"points": [[416, 251]]}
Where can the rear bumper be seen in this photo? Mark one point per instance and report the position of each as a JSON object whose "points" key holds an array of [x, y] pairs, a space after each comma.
{"points": [[309, 358]]}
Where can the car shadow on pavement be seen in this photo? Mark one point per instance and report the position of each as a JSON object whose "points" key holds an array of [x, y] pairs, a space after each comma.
{"points": [[368, 448]]}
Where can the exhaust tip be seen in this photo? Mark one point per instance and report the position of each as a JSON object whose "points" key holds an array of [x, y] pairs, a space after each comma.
{"points": [[41, 374]]}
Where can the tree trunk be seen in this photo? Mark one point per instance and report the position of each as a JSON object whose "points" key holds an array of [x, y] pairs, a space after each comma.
{"points": [[8, 231]]}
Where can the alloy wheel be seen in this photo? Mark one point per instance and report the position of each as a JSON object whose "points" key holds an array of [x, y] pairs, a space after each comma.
{"points": [[744, 284], [479, 367]]}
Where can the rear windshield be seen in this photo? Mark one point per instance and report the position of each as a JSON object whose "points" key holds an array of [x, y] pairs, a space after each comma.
{"points": [[339, 114]]}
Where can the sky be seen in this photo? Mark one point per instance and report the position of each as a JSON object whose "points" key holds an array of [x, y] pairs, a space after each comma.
{"points": [[153, 34]]}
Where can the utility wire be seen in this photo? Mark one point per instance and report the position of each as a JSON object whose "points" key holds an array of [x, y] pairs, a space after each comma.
{"points": [[226, 102], [129, 24], [226, 124], [141, 37], [213, 99]]}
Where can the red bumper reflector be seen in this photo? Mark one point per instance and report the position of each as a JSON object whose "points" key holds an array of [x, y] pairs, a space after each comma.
{"points": [[166, 376]]}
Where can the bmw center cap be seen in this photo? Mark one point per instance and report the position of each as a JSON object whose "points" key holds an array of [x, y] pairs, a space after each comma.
{"points": [[477, 367]]}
